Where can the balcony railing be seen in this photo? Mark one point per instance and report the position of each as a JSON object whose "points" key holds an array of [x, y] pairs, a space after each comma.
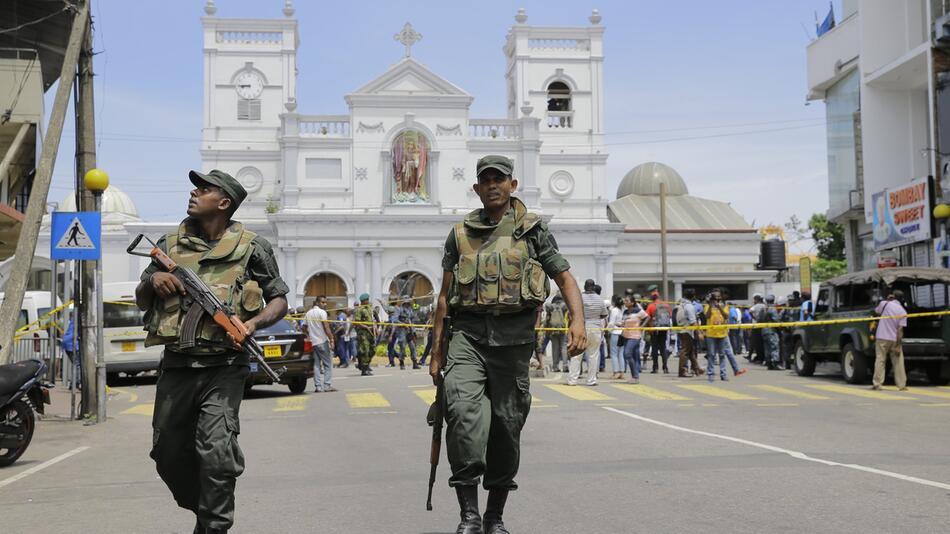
{"points": [[249, 37], [324, 126], [561, 119], [494, 129]]}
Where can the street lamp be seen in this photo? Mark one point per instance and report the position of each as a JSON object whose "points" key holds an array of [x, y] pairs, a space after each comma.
{"points": [[96, 181]]}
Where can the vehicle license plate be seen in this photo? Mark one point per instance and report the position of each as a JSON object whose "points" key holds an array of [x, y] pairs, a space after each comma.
{"points": [[128, 346], [272, 351]]}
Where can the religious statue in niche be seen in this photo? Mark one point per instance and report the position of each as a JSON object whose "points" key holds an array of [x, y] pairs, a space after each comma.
{"points": [[410, 168]]}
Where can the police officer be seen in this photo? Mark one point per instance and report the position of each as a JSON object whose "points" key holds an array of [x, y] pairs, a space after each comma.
{"points": [[770, 335], [198, 396], [365, 335], [496, 265]]}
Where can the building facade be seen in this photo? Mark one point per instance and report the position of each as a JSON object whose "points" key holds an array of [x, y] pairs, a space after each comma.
{"points": [[877, 72], [363, 202]]}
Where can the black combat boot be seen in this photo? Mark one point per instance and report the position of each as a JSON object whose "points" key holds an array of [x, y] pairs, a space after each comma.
{"points": [[468, 505], [198, 528], [494, 508]]}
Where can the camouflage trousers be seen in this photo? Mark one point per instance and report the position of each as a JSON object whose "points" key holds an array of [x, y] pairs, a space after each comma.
{"points": [[770, 340], [365, 348]]}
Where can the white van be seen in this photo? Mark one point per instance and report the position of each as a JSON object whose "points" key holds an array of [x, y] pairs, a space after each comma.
{"points": [[33, 312], [122, 332]]}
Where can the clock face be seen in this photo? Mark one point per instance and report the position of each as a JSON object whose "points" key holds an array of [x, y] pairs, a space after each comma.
{"points": [[249, 84]]}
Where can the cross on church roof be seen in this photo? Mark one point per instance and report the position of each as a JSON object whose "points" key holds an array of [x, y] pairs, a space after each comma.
{"points": [[408, 37]]}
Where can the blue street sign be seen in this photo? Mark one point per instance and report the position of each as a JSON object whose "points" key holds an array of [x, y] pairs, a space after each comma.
{"points": [[76, 235]]}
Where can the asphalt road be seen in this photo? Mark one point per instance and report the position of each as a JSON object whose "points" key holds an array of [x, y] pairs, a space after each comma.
{"points": [[766, 452]]}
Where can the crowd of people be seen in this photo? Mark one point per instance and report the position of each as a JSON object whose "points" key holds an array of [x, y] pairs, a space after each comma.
{"points": [[616, 333]]}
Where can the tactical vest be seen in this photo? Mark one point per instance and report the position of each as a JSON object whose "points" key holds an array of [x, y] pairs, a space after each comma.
{"points": [[224, 269], [495, 271]]}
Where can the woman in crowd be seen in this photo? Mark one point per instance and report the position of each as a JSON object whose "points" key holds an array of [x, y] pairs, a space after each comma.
{"points": [[633, 317], [614, 343]]}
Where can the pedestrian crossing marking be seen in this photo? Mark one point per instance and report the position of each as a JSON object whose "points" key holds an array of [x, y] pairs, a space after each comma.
{"points": [[76, 237], [921, 391], [714, 391], [367, 400], [427, 395], [579, 392], [791, 392], [140, 409], [650, 393], [866, 393], [296, 403]]}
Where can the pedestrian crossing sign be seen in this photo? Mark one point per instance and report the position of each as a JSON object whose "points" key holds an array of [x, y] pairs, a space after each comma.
{"points": [[76, 235]]}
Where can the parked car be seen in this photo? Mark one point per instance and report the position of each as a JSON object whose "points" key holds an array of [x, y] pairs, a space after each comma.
{"points": [[123, 331], [926, 340], [284, 347]]}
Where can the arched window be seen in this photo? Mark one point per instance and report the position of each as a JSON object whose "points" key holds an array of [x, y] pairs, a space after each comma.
{"points": [[410, 170], [412, 286], [329, 285], [559, 105]]}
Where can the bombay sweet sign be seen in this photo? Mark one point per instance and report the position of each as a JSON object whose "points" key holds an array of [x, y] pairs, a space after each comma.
{"points": [[901, 214]]}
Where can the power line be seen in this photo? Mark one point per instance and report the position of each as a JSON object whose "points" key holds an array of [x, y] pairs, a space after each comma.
{"points": [[66, 7]]}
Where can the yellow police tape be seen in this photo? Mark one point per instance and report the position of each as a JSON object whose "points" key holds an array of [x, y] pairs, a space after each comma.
{"points": [[746, 326]]}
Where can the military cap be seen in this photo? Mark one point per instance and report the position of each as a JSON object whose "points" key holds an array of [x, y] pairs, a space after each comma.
{"points": [[652, 287], [364, 296], [499, 163], [231, 187]]}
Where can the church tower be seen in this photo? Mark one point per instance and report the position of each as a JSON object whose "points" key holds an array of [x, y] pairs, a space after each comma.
{"points": [[556, 74], [250, 79]]}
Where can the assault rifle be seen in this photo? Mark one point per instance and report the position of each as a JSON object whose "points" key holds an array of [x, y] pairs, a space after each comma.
{"points": [[435, 418], [204, 301]]}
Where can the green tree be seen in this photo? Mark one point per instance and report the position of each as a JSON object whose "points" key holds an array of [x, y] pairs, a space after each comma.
{"points": [[828, 237], [824, 269]]}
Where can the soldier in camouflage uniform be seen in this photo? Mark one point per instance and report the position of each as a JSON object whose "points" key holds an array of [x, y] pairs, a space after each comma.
{"points": [[199, 392], [365, 335], [495, 278], [770, 336]]}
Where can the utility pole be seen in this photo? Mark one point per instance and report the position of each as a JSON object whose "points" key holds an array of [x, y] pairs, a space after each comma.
{"points": [[666, 280], [26, 245], [93, 400]]}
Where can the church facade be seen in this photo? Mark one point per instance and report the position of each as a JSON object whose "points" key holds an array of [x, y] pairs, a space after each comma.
{"points": [[363, 202]]}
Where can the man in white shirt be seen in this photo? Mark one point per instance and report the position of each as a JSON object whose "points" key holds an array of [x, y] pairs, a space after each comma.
{"points": [[595, 314], [318, 329]]}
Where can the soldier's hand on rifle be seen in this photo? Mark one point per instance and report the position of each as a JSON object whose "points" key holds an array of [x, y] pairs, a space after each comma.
{"points": [[166, 285], [576, 338], [436, 363]]}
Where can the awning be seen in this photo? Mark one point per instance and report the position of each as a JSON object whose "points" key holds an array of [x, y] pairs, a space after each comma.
{"points": [[893, 274]]}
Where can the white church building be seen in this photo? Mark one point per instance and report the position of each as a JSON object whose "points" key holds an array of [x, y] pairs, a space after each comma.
{"points": [[363, 202]]}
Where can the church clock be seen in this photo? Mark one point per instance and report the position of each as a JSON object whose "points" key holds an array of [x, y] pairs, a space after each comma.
{"points": [[249, 85]]}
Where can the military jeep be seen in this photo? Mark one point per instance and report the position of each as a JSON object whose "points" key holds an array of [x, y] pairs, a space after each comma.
{"points": [[926, 340]]}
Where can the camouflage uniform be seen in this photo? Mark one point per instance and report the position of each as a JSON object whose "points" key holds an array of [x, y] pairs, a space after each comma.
{"points": [[500, 276], [770, 337], [199, 391], [365, 342]]}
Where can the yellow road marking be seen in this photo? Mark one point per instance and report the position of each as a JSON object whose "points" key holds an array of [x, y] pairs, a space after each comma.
{"points": [[132, 396], [296, 403], [423, 386], [427, 395], [920, 391], [792, 392], [140, 409], [580, 393], [866, 393], [367, 400], [714, 391], [650, 393]]}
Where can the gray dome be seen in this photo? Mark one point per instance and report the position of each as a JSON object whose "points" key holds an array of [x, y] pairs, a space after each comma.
{"points": [[645, 179]]}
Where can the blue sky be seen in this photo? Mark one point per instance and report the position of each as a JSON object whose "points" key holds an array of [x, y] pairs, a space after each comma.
{"points": [[714, 89]]}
